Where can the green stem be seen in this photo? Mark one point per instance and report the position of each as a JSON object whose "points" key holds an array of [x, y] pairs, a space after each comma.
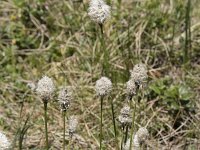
{"points": [[122, 142], [114, 125], [105, 63], [69, 145], [126, 135], [101, 122], [187, 32], [133, 126], [46, 129], [64, 116]]}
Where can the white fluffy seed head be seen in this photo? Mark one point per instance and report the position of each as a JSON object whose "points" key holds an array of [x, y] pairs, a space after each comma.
{"points": [[142, 134], [125, 117], [99, 11], [139, 74], [103, 86], [65, 97], [134, 146], [130, 88], [73, 122], [136, 142], [45, 88], [4, 143], [125, 110]]}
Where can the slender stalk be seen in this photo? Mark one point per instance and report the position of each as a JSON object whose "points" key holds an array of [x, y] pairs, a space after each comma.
{"points": [[122, 142], [187, 32], [46, 129], [133, 125], [69, 144], [101, 135], [114, 125], [126, 135], [64, 116], [105, 63], [101, 27], [19, 128]]}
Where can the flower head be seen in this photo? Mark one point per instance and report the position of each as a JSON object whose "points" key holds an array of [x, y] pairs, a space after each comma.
{"points": [[45, 88], [99, 11], [125, 117], [139, 74], [140, 136], [134, 146], [4, 143], [64, 98], [103, 86], [73, 122], [130, 88]]}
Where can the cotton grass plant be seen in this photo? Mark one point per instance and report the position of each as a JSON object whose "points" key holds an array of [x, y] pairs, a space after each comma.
{"points": [[139, 138], [64, 98], [125, 120], [73, 123], [134, 86], [45, 89], [31, 29], [99, 12], [103, 88]]}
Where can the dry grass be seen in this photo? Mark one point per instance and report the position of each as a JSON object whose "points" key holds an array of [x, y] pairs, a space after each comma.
{"points": [[57, 38]]}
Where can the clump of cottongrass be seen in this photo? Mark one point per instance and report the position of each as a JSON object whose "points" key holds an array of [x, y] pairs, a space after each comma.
{"points": [[103, 88], [125, 121], [4, 142], [137, 81], [139, 75], [99, 11], [140, 137], [65, 97], [125, 116], [130, 88], [45, 89], [73, 122]]}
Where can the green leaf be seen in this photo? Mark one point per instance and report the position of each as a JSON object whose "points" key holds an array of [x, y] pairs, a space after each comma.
{"points": [[172, 92], [156, 89], [184, 93]]}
